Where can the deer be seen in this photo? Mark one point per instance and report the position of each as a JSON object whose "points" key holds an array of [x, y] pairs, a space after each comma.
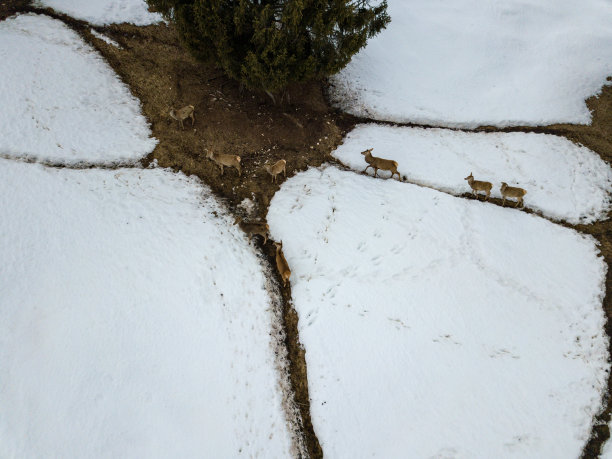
{"points": [[253, 228], [276, 168], [512, 192], [182, 114], [478, 185], [281, 263], [225, 160], [380, 163]]}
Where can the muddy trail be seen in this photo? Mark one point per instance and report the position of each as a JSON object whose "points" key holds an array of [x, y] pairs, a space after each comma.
{"points": [[303, 130]]}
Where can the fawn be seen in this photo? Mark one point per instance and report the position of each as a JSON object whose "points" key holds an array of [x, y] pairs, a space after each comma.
{"points": [[182, 114], [512, 192], [276, 169]]}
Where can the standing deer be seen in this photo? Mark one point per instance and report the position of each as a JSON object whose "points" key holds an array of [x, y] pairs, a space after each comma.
{"points": [[281, 263], [252, 228], [380, 163], [182, 114], [276, 169], [512, 192], [478, 185], [225, 160]]}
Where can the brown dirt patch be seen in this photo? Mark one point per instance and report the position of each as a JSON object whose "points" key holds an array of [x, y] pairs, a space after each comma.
{"points": [[162, 75]]}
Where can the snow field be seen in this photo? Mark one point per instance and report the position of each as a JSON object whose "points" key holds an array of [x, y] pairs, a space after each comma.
{"points": [[469, 63], [135, 320], [62, 102], [563, 180], [440, 327], [103, 12]]}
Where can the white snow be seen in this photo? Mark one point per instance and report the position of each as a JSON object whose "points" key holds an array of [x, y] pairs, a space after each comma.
{"points": [[563, 180], [436, 326], [606, 450], [61, 102], [104, 38], [135, 320], [468, 63], [103, 12]]}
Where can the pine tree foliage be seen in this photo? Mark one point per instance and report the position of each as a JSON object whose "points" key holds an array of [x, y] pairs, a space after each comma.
{"points": [[268, 44]]}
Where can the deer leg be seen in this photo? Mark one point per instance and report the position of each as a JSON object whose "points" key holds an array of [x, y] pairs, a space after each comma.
{"points": [[504, 202], [518, 201], [221, 166], [375, 172], [369, 165], [181, 123], [488, 194]]}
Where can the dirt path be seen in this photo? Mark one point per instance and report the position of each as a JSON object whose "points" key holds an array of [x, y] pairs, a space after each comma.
{"points": [[162, 75]]}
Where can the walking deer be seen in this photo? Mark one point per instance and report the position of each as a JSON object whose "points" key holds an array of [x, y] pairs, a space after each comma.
{"points": [[225, 160], [182, 114], [478, 185], [380, 163], [276, 169], [512, 192], [281, 263]]}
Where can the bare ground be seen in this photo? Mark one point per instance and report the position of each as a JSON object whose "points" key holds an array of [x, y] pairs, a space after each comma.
{"points": [[304, 132]]}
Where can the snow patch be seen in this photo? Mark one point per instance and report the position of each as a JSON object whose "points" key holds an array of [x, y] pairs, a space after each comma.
{"points": [[563, 180], [441, 326], [103, 12], [61, 102], [135, 320], [468, 63], [105, 39]]}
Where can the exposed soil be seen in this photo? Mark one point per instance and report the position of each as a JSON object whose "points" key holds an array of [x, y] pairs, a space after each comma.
{"points": [[304, 132]]}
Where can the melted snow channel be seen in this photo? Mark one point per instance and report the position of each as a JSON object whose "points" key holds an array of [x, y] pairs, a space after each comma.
{"points": [[440, 327]]}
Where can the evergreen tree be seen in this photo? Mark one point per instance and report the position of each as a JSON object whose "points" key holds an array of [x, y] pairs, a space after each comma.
{"points": [[267, 44]]}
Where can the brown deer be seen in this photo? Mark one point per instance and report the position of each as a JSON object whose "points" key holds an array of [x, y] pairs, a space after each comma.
{"points": [[512, 192], [380, 163], [478, 185], [182, 114], [225, 160], [276, 168], [281, 263], [253, 228]]}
